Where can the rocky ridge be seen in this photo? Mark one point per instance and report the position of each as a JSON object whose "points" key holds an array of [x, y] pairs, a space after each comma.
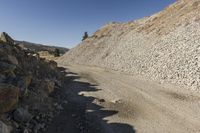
{"points": [[163, 47], [28, 89]]}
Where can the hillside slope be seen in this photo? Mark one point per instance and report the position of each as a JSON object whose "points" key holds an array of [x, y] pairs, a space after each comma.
{"points": [[163, 47]]}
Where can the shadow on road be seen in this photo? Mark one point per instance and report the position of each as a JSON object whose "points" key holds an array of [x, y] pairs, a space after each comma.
{"points": [[81, 114]]}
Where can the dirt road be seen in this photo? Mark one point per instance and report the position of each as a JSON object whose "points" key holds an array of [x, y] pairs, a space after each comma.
{"points": [[120, 103]]}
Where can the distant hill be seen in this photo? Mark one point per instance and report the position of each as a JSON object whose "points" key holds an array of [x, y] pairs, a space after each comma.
{"points": [[40, 47], [4, 37]]}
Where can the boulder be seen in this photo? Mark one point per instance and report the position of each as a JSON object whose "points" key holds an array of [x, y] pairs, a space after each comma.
{"points": [[12, 59], [8, 97], [4, 128], [53, 64], [48, 86], [5, 57], [23, 83]]}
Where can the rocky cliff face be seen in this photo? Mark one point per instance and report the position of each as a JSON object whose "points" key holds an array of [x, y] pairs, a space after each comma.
{"points": [[4, 37], [26, 83], [163, 47]]}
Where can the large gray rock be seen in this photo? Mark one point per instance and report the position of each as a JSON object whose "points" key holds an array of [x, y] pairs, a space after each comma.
{"points": [[4, 128]]}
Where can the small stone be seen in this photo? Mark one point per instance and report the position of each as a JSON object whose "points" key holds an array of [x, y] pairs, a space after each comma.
{"points": [[37, 117], [59, 107], [26, 131], [73, 115], [65, 102], [22, 115], [16, 124]]}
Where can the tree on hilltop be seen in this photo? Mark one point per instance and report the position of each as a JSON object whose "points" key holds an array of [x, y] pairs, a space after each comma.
{"points": [[85, 36]]}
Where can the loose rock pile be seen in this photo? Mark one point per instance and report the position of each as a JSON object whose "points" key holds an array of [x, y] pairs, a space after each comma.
{"points": [[164, 47], [27, 82]]}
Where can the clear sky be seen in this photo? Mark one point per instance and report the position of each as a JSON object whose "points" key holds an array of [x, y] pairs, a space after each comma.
{"points": [[63, 22]]}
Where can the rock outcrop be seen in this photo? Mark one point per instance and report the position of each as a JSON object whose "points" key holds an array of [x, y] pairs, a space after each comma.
{"points": [[4, 37], [26, 83], [163, 47]]}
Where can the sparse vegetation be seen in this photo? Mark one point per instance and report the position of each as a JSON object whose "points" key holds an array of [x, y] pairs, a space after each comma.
{"points": [[57, 52]]}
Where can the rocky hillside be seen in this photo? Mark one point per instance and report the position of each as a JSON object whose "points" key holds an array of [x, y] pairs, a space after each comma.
{"points": [[164, 47], [26, 85]]}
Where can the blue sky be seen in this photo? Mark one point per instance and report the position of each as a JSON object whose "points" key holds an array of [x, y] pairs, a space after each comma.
{"points": [[63, 22]]}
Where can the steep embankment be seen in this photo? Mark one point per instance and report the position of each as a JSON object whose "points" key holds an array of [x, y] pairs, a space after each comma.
{"points": [[162, 47]]}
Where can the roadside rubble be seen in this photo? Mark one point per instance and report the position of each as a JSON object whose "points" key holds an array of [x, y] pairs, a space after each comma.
{"points": [[27, 82]]}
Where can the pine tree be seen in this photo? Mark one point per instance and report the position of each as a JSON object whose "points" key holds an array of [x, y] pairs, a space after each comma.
{"points": [[85, 36], [57, 52]]}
